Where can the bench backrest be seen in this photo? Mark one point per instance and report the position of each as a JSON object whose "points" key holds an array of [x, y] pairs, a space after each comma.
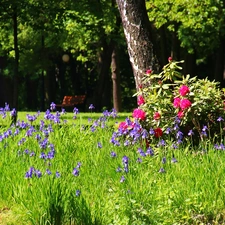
{"points": [[75, 99]]}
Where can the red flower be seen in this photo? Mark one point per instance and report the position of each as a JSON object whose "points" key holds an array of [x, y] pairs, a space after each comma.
{"points": [[180, 114], [158, 132], [184, 104], [176, 102], [140, 100], [156, 116], [123, 125], [139, 114], [148, 71], [184, 90], [170, 59]]}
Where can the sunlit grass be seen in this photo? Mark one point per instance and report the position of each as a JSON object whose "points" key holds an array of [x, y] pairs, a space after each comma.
{"points": [[105, 190]]}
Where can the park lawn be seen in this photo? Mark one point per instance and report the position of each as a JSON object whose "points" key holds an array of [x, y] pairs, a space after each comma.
{"points": [[71, 173]]}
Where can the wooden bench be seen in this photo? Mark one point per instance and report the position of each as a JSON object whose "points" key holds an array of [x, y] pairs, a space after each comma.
{"points": [[72, 101]]}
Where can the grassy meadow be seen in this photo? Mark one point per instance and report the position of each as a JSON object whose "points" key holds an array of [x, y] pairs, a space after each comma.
{"points": [[69, 171]]}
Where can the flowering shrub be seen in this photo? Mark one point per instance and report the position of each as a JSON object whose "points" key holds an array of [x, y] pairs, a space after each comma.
{"points": [[170, 103], [170, 95]]}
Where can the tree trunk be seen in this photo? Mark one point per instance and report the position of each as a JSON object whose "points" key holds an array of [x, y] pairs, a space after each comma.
{"points": [[137, 30], [104, 72], [116, 81], [219, 63], [16, 65]]}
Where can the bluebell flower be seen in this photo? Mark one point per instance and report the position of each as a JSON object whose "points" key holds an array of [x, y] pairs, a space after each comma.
{"points": [[26, 151], [141, 152], [179, 134], [91, 106], [174, 146], [161, 143], [13, 113], [57, 174], [78, 192], [151, 131], [149, 151], [42, 156], [125, 159], [118, 169], [75, 172], [139, 160], [38, 173], [113, 154], [48, 172], [163, 160], [144, 134], [30, 172], [99, 145], [32, 154], [204, 128], [168, 130], [7, 108], [52, 106], [174, 160], [220, 119], [78, 165], [162, 170], [122, 179], [190, 133]]}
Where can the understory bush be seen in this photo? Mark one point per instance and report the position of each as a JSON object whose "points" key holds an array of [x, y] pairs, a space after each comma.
{"points": [[171, 103]]}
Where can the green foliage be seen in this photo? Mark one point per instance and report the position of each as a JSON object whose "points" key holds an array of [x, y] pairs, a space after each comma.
{"points": [[199, 25]]}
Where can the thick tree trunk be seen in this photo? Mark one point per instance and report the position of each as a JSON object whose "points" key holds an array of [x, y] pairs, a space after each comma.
{"points": [[137, 31], [116, 81]]}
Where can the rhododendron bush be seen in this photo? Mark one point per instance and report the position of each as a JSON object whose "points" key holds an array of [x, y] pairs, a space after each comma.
{"points": [[170, 101], [170, 95]]}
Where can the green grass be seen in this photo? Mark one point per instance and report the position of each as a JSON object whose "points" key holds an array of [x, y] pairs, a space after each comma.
{"points": [[191, 191]]}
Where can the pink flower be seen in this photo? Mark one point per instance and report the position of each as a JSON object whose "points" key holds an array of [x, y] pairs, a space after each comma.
{"points": [[140, 100], [184, 104], [184, 90], [180, 114], [148, 71], [139, 114], [158, 132], [123, 125], [156, 116], [176, 102], [170, 59]]}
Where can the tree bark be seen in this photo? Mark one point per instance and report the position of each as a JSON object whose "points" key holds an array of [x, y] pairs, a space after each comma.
{"points": [[116, 81], [137, 30]]}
